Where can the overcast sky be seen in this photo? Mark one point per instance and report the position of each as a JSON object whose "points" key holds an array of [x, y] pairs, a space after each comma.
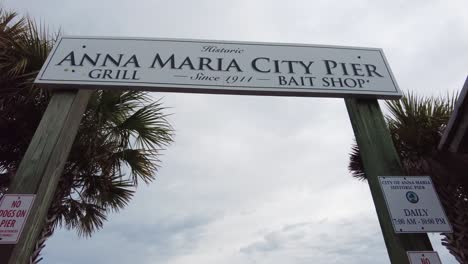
{"points": [[260, 179]]}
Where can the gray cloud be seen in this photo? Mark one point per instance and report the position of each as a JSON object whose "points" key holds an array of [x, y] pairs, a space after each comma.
{"points": [[132, 242], [314, 242]]}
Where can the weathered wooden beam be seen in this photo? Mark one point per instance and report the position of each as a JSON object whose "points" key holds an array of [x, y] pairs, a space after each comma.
{"points": [[42, 165], [380, 158]]}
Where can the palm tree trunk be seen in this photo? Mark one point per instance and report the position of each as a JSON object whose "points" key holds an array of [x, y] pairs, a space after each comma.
{"points": [[46, 232], [62, 191]]}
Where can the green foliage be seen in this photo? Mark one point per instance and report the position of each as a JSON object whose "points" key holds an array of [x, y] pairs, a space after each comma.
{"points": [[416, 125], [117, 145]]}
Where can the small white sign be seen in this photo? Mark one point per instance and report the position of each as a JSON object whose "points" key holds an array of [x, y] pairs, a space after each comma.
{"points": [[226, 67], [423, 257], [413, 204], [14, 210]]}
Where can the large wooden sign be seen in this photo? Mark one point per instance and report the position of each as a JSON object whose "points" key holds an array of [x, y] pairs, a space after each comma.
{"points": [[200, 66]]}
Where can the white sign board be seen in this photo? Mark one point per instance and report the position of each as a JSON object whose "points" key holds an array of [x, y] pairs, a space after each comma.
{"points": [[202, 66], [423, 257], [413, 204], [14, 210]]}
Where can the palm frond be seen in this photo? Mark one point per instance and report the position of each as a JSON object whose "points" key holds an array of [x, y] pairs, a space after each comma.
{"points": [[82, 216], [355, 163], [416, 124], [92, 218], [142, 163], [147, 126]]}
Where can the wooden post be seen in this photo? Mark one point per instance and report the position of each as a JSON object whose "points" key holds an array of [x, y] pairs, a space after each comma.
{"points": [[380, 158], [42, 165]]}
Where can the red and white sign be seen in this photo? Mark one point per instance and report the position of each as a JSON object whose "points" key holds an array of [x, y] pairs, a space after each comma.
{"points": [[423, 257], [14, 210]]}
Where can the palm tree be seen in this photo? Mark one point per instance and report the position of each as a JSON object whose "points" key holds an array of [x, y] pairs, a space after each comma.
{"points": [[117, 145], [416, 125]]}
